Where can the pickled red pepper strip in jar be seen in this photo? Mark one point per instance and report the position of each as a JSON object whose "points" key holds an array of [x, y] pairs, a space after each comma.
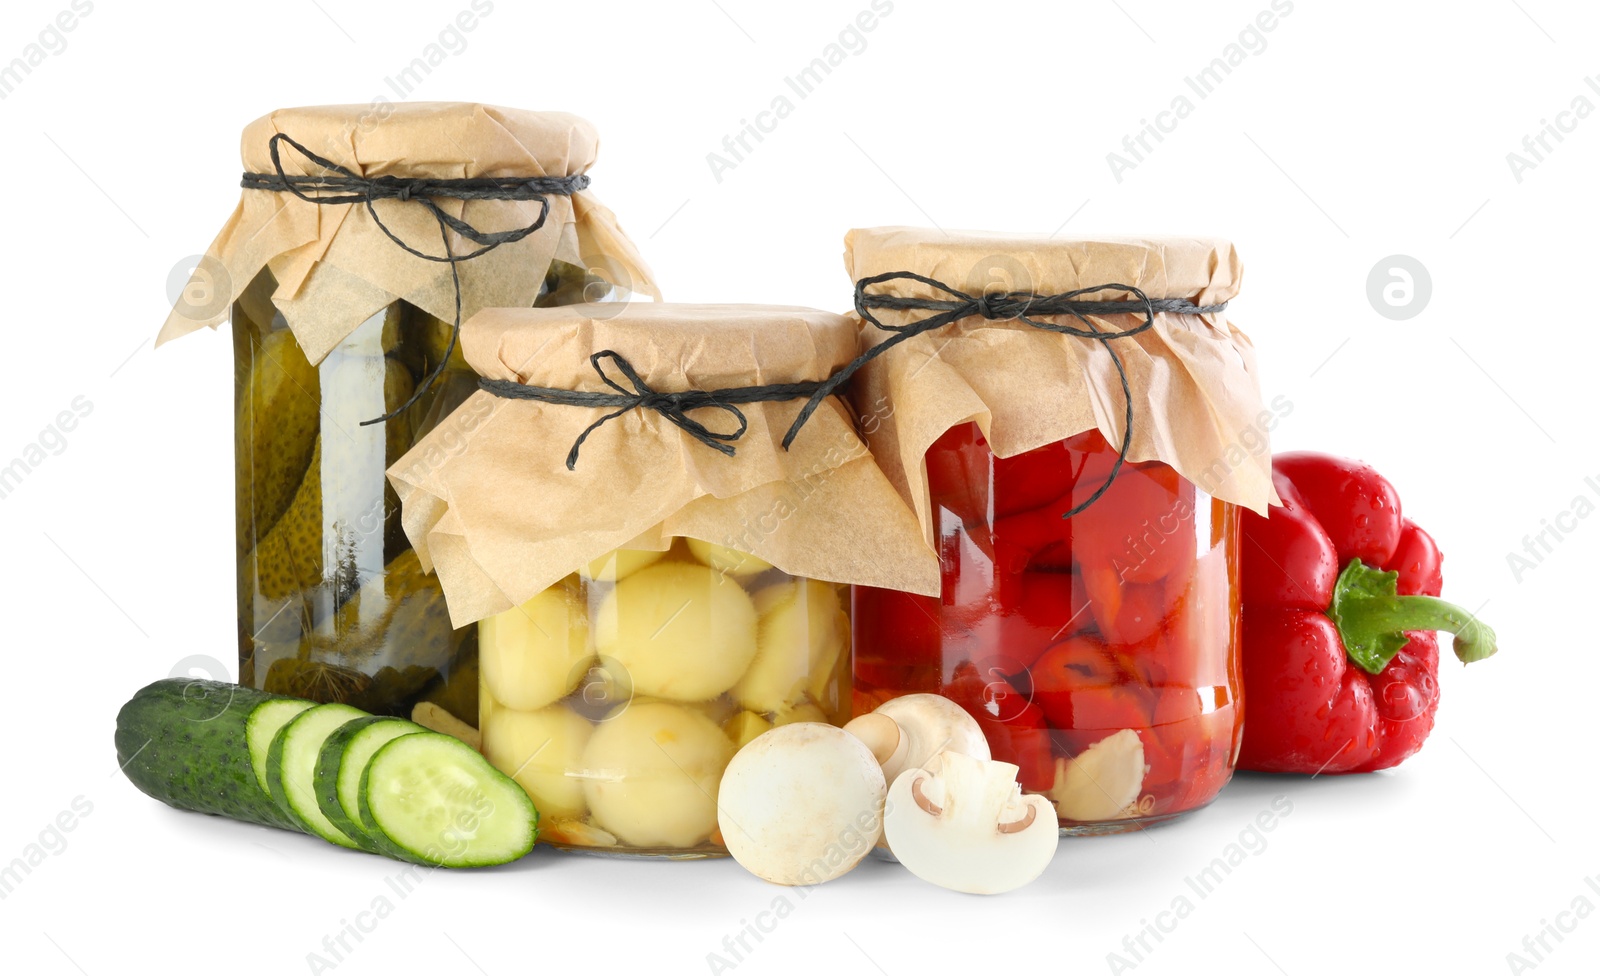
{"points": [[1085, 589], [335, 325], [656, 581]]}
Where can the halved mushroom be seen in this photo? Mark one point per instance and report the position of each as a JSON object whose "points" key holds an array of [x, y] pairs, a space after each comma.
{"points": [[801, 804], [964, 824], [1103, 781]]}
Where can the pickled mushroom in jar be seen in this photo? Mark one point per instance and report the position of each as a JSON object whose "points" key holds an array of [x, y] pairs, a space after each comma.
{"points": [[744, 727], [619, 563], [536, 653], [805, 711], [801, 631], [726, 560], [677, 630], [651, 773], [540, 750]]}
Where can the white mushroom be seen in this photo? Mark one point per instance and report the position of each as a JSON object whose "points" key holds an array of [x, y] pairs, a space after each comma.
{"points": [[801, 804], [1103, 781], [964, 824], [931, 724], [882, 736], [924, 725]]}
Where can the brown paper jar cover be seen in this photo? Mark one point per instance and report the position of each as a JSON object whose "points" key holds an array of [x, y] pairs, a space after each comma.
{"points": [[491, 507], [335, 268], [1197, 403]]}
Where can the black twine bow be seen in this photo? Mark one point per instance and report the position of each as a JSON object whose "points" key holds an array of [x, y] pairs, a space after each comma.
{"points": [[1025, 307], [675, 405], [348, 187]]}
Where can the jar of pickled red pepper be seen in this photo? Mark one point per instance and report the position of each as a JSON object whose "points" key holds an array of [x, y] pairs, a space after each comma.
{"points": [[656, 581], [1089, 603], [345, 355]]}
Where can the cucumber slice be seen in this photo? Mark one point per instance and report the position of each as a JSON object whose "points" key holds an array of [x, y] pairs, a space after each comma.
{"points": [[263, 725], [344, 758], [430, 799], [292, 768]]}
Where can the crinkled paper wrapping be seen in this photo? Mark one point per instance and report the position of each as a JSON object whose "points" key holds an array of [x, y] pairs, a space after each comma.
{"points": [[491, 507], [335, 268], [1197, 404]]}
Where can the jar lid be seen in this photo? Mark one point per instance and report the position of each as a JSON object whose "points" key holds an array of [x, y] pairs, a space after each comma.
{"points": [[333, 265], [1203, 270], [446, 140], [673, 346], [499, 500], [1010, 367]]}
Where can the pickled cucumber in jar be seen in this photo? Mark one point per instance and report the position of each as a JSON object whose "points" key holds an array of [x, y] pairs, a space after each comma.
{"points": [[333, 604]]}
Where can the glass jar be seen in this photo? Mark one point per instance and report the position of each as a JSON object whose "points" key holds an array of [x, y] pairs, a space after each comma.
{"points": [[1056, 633], [333, 603], [354, 232], [617, 696]]}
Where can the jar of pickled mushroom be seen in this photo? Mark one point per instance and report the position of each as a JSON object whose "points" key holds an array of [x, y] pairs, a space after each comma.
{"points": [[655, 579], [1077, 426], [359, 238]]}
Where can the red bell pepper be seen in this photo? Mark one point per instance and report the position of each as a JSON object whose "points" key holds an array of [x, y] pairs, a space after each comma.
{"points": [[1340, 673]]}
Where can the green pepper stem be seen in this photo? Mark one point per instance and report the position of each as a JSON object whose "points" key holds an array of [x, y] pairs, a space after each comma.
{"points": [[1474, 640], [1372, 619]]}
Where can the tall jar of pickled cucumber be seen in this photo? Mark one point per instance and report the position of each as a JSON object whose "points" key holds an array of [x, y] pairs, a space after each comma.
{"points": [[1078, 426], [655, 579], [359, 238]]}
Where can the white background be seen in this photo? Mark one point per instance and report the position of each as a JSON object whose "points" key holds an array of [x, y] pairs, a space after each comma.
{"points": [[1361, 130]]}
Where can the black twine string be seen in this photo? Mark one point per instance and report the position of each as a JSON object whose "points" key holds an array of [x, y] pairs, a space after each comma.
{"points": [[1021, 306], [675, 406], [347, 187]]}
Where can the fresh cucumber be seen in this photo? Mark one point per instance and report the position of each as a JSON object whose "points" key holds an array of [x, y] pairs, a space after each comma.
{"points": [[408, 793], [292, 768], [184, 741], [344, 758], [430, 799], [262, 727]]}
